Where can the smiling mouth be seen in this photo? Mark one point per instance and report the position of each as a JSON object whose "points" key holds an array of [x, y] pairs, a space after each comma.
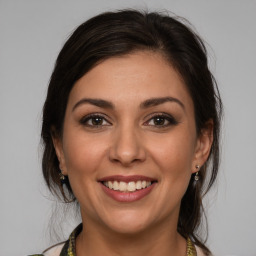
{"points": [[125, 187]]}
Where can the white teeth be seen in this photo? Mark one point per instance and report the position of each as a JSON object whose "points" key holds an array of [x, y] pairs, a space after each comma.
{"points": [[122, 186], [110, 184], [115, 185], [138, 185], [131, 186]]}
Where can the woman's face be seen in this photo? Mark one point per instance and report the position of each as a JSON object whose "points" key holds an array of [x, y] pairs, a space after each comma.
{"points": [[129, 143]]}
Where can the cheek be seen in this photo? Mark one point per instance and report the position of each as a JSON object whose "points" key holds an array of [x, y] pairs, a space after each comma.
{"points": [[174, 156], [173, 152], [83, 154]]}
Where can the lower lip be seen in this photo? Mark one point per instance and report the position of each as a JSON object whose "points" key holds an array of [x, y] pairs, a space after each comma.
{"points": [[127, 196]]}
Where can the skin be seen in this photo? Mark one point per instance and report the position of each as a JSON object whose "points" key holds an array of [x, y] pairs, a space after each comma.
{"points": [[130, 141]]}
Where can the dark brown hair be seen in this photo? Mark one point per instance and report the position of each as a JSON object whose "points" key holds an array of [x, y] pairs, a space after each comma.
{"points": [[118, 33]]}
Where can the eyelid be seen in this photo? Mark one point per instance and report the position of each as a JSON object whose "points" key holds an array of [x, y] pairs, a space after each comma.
{"points": [[169, 117], [85, 119], [171, 120]]}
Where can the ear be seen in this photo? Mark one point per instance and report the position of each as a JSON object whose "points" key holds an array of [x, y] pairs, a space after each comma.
{"points": [[203, 145], [57, 143]]}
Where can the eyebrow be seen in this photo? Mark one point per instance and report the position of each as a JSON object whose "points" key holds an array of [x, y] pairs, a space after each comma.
{"points": [[157, 101], [96, 102], [146, 104]]}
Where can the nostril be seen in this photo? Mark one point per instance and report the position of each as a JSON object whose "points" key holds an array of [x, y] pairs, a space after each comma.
{"points": [[127, 148]]}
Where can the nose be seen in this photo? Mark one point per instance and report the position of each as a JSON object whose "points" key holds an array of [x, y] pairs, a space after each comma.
{"points": [[127, 147]]}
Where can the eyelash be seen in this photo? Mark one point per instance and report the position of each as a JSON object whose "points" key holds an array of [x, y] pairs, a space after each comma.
{"points": [[165, 117], [84, 121]]}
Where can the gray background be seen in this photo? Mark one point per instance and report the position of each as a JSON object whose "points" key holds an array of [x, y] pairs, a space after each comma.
{"points": [[32, 33]]}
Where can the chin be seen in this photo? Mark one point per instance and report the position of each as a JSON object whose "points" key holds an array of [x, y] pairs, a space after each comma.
{"points": [[128, 228], [128, 223]]}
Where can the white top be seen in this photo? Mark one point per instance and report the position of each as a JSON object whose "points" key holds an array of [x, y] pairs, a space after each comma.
{"points": [[199, 251], [55, 251]]}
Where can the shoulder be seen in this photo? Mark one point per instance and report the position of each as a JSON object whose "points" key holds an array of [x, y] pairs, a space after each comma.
{"points": [[54, 250]]}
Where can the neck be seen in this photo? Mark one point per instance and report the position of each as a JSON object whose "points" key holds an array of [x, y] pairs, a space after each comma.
{"points": [[160, 240]]}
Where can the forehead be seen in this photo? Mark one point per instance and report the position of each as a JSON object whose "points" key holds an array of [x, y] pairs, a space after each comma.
{"points": [[133, 77]]}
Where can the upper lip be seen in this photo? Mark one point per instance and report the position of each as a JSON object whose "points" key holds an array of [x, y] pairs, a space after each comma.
{"points": [[126, 178]]}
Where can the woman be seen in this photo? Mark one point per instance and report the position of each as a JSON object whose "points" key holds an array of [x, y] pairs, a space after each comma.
{"points": [[130, 130]]}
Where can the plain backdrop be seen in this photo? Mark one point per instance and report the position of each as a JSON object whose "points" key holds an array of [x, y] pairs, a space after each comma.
{"points": [[31, 35]]}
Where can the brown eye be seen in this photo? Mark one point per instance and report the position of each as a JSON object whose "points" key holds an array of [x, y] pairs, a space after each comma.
{"points": [[94, 121], [97, 120], [161, 120]]}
